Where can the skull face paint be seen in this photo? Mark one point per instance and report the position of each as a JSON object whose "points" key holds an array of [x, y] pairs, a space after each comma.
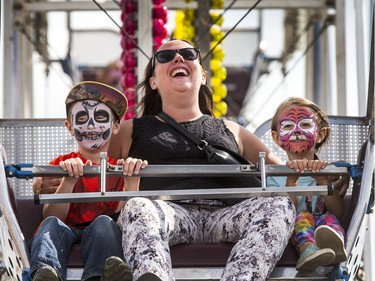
{"points": [[92, 123], [298, 129]]}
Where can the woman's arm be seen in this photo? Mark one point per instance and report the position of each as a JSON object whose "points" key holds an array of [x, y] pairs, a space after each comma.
{"points": [[250, 145], [120, 143]]}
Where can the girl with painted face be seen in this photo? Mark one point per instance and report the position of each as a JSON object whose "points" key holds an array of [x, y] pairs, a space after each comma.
{"points": [[300, 128]]}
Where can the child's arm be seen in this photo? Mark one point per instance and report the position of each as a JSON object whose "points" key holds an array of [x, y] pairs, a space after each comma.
{"points": [[45, 185], [74, 167], [60, 210], [302, 165], [292, 181], [334, 203]]}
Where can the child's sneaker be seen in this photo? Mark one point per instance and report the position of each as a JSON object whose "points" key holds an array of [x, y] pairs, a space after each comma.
{"points": [[116, 270], [327, 237], [46, 273], [313, 256]]}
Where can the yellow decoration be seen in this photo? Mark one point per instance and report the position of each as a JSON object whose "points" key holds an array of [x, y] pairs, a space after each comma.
{"points": [[216, 97], [217, 4], [215, 32], [185, 29], [220, 108], [215, 64], [215, 16], [218, 52], [220, 73], [215, 82], [220, 91]]}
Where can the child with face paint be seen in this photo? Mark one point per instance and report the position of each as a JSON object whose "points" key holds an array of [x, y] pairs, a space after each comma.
{"points": [[300, 128], [94, 111]]}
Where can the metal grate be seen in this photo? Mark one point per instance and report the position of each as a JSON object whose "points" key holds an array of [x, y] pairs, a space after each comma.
{"points": [[347, 136], [35, 141]]}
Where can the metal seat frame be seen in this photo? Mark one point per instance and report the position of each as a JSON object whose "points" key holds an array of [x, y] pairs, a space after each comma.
{"points": [[19, 139]]}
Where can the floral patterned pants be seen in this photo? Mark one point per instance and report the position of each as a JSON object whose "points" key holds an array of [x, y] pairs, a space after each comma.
{"points": [[260, 228]]}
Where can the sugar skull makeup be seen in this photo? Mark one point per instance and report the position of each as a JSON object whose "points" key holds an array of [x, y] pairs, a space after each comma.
{"points": [[298, 129], [92, 123]]}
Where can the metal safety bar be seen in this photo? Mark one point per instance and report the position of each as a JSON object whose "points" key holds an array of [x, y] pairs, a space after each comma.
{"points": [[28, 171], [183, 194], [105, 169]]}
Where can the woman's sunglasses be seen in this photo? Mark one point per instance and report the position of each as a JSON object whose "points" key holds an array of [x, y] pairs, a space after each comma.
{"points": [[168, 55]]}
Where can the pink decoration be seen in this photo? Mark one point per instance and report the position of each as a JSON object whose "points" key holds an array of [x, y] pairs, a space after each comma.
{"points": [[130, 26], [129, 59], [158, 2], [157, 42], [160, 12], [128, 80], [159, 28], [128, 44], [129, 6]]}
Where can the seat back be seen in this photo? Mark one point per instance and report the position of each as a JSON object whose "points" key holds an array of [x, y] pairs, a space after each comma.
{"points": [[348, 134], [347, 143], [35, 141]]}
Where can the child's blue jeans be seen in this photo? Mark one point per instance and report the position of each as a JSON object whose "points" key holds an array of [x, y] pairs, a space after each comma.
{"points": [[53, 240]]}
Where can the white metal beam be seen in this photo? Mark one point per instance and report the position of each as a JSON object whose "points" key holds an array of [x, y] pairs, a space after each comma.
{"points": [[173, 4], [7, 94], [341, 57]]}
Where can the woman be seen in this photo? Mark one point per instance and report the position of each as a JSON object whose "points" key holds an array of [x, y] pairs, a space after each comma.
{"points": [[175, 83]]}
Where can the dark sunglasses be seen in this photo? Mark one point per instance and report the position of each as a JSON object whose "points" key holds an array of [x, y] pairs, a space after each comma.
{"points": [[168, 55]]}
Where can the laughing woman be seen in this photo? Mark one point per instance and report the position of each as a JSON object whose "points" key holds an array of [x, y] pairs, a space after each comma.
{"points": [[175, 83]]}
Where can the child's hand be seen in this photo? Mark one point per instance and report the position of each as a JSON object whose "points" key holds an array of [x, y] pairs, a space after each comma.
{"points": [[45, 185], [302, 165], [341, 184], [74, 166], [132, 165]]}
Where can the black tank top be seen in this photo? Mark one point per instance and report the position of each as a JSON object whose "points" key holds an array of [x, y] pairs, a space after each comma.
{"points": [[160, 143]]}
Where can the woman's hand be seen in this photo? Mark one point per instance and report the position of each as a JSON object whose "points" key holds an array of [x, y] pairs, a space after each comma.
{"points": [[132, 166]]}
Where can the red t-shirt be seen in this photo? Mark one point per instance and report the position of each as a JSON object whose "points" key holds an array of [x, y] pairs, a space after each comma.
{"points": [[84, 212]]}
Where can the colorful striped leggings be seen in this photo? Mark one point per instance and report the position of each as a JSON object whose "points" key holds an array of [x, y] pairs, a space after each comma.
{"points": [[306, 223]]}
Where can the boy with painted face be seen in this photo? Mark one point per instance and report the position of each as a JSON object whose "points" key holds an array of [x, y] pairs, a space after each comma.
{"points": [[94, 111], [300, 128]]}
